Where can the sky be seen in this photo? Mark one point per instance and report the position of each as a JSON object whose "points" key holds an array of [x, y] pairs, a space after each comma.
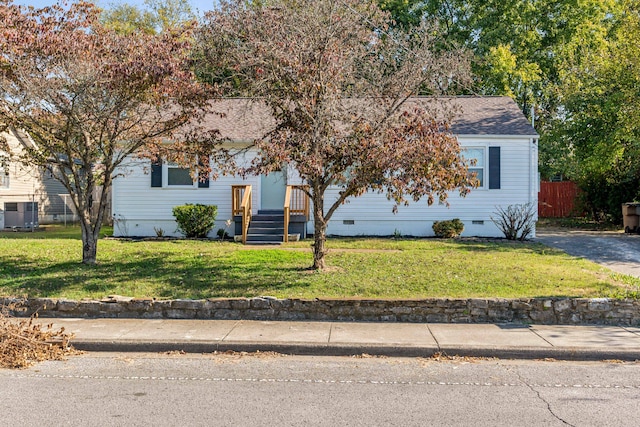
{"points": [[198, 6]]}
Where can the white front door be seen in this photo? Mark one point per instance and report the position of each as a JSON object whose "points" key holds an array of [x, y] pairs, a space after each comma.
{"points": [[272, 190]]}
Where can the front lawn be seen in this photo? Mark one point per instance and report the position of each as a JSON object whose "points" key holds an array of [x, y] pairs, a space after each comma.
{"points": [[47, 264]]}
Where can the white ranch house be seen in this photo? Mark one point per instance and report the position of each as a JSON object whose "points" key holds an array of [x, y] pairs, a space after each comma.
{"points": [[490, 129]]}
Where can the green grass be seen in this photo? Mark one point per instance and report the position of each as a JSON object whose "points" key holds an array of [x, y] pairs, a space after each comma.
{"points": [[578, 223], [47, 264]]}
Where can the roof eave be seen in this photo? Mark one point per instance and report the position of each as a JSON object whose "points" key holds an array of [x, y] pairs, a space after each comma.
{"points": [[499, 136]]}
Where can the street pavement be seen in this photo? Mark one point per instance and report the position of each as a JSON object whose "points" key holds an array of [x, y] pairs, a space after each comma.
{"points": [[513, 341]]}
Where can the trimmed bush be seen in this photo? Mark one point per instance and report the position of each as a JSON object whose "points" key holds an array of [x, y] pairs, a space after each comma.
{"points": [[448, 229], [195, 220]]}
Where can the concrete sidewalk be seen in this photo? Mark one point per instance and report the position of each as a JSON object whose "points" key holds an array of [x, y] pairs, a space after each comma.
{"points": [[342, 338]]}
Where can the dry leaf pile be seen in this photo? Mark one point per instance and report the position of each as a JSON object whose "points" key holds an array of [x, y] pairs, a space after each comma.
{"points": [[24, 342]]}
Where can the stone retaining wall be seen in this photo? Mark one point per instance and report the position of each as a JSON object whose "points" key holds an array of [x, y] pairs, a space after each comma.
{"points": [[561, 311]]}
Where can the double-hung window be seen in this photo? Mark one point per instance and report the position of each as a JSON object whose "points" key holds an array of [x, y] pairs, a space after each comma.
{"points": [[4, 172], [475, 157]]}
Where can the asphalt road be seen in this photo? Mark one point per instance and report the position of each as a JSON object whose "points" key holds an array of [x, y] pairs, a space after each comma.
{"points": [[250, 390], [615, 250]]}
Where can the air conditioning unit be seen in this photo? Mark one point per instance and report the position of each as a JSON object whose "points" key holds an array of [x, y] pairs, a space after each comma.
{"points": [[21, 214]]}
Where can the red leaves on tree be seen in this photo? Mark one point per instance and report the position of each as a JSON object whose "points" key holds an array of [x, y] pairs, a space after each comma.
{"points": [[90, 97], [339, 83]]}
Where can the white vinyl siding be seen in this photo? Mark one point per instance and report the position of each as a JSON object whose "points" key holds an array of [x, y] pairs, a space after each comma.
{"points": [[138, 207], [371, 214]]}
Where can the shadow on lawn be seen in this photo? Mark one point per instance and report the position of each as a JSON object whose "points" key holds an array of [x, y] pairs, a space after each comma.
{"points": [[158, 275], [503, 245]]}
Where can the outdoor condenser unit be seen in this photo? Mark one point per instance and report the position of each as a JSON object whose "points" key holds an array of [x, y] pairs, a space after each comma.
{"points": [[21, 214]]}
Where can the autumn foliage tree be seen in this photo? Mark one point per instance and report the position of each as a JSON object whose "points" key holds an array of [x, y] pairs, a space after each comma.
{"points": [[84, 98], [339, 82]]}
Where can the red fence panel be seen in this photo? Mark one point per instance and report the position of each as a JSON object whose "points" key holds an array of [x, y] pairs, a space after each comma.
{"points": [[557, 199]]}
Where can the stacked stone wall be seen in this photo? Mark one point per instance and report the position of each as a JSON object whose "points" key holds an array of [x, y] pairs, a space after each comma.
{"points": [[560, 311]]}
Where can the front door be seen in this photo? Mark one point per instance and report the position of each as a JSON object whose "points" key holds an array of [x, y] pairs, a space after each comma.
{"points": [[272, 189]]}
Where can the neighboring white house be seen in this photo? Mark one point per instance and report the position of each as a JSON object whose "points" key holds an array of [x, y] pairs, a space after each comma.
{"points": [[28, 195], [491, 130]]}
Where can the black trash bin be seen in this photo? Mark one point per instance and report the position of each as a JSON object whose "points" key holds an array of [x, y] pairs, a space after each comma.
{"points": [[631, 217]]}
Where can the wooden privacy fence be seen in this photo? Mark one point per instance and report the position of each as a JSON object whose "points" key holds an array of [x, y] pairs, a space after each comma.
{"points": [[557, 199]]}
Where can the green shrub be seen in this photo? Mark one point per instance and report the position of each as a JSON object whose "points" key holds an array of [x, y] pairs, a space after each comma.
{"points": [[448, 229], [195, 220]]}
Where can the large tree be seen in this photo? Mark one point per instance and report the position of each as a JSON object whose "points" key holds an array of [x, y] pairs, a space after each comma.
{"points": [[517, 44], [533, 51], [600, 129], [88, 98], [338, 80]]}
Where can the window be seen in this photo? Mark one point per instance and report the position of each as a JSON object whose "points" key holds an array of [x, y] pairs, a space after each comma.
{"points": [[4, 178], [477, 154], [166, 175], [4, 171], [177, 175]]}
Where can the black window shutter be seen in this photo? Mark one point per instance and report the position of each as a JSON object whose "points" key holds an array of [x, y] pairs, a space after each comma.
{"points": [[203, 179], [203, 184], [494, 168], [156, 173]]}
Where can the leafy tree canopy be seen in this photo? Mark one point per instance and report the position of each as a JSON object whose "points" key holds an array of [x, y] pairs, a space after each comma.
{"points": [[337, 78], [157, 16], [84, 97]]}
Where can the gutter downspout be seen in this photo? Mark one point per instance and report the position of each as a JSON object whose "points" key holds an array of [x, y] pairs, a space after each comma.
{"points": [[534, 182], [533, 169]]}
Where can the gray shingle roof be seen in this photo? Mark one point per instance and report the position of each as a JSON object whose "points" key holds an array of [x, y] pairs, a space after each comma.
{"points": [[490, 115], [240, 119]]}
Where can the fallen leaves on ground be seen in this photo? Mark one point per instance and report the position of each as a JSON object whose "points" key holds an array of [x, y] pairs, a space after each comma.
{"points": [[24, 342], [257, 353], [444, 357]]}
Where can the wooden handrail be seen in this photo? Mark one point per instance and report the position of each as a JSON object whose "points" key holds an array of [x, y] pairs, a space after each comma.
{"points": [[241, 201], [296, 202], [236, 199], [287, 203]]}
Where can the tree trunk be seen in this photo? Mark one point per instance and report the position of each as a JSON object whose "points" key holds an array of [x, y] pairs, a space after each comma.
{"points": [[89, 247], [90, 232], [319, 234], [91, 211]]}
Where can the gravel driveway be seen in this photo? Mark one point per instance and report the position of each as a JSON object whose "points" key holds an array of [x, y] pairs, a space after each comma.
{"points": [[615, 250]]}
